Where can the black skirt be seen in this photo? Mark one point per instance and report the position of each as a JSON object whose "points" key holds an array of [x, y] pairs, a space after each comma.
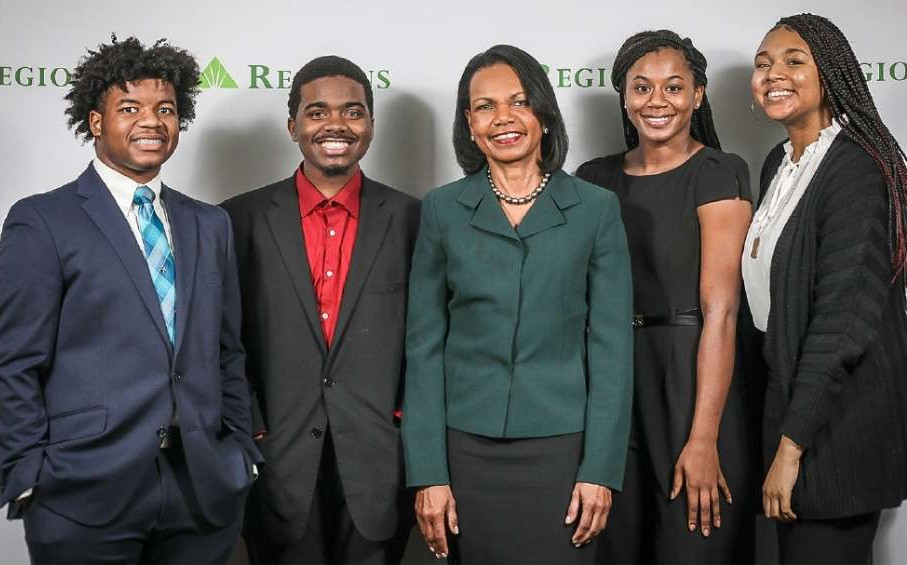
{"points": [[512, 497]]}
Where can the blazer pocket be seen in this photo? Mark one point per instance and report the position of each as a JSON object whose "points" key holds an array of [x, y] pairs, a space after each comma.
{"points": [[77, 424], [385, 287], [211, 278]]}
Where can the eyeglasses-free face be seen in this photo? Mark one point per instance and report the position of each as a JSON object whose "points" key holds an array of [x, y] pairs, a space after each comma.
{"points": [[137, 129], [661, 95], [785, 81], [505, 128], [332, 126]]}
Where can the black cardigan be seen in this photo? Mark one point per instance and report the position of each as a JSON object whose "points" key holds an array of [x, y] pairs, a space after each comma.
{"points": [[835, 349]]}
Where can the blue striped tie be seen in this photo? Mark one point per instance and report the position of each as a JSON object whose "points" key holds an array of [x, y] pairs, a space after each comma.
{"points": [[158, 255]]}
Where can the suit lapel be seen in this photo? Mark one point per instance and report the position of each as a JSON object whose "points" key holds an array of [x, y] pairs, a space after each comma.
{"points": [[546, 212], [286, 229], [184, 230], [488, 215], [373, 225], [103, 211]]}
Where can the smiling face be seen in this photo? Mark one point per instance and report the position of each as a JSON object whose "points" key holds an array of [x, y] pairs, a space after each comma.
{"points": [[332, 126], [785, 80], [136, 129], [503, 124], [661, 95]]}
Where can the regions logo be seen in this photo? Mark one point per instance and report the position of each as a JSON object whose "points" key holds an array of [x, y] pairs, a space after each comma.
{"points": [[261, 76], [216, 76], [880, 72], [581, 77]]}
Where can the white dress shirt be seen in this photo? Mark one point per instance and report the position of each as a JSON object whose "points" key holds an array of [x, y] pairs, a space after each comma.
{"points": [[781, 198], [123, 190]]}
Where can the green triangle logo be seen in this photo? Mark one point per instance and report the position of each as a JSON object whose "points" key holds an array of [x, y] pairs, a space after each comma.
{"points": [[216, 76]]}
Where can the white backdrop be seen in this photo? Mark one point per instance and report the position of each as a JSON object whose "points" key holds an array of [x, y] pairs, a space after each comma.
{"points": [[415, 51]]}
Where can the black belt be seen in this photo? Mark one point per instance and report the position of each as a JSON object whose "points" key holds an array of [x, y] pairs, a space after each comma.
{"points": [[691, 317]]}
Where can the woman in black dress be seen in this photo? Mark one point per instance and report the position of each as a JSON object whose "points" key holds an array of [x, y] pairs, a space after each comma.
{"points": [[685, 205], [824, 267]]}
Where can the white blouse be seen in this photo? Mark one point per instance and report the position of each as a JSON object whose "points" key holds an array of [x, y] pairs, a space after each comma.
{"points": [[781, 198]]}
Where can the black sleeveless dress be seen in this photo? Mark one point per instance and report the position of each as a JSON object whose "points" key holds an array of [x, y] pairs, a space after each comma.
{"points": [[660, 216]]}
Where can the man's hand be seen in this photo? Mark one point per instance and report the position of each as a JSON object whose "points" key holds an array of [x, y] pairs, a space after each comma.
{"points": [[435, 509], [595, 502]]}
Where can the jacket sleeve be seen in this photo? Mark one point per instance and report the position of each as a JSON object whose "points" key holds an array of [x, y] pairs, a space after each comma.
{"points": [[852, 281], [609, 350], [234, 386], [31, 292], [424, 424]]}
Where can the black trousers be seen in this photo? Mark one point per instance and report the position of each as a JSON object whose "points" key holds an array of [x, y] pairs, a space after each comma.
{"points": [[164, 526], [843, 540], [330, 535], [512, 497]]}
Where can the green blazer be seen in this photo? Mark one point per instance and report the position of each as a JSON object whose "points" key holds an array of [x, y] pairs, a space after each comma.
{"points": [[523, 332]]}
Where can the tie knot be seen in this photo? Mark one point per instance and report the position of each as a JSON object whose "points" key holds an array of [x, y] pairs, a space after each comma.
{"points": [[143, 195]]}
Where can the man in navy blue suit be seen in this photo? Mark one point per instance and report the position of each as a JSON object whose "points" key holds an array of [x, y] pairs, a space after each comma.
{"points": [[124, 409]]}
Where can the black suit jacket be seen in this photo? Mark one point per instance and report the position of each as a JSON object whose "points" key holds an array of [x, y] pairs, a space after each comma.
{"points": [[300, 387]]}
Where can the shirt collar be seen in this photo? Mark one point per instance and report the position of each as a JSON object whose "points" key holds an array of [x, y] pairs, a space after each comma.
{"points": [[310, 197], [826, 136], [122, 187]]}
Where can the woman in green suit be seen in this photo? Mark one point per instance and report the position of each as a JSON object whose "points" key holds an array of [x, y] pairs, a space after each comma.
{"points": [[519, 338]]}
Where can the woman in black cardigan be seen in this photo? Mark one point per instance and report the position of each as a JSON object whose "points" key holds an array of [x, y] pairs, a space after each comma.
{"points": [[824, 267]]}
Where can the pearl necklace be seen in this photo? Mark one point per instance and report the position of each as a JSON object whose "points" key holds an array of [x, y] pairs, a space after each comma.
{"points": [[518, 200]]}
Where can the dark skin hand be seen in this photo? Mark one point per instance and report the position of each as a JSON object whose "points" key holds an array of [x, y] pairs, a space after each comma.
{"points": [[436, 511], [723, 228], [780, 481], [595, 503], [436, 514]]}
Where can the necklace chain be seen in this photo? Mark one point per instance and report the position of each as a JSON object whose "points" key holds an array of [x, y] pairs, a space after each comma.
{"points": [[517, 200]]}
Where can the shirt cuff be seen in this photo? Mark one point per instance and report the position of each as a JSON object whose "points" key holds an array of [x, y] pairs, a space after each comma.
{"points": [[25, 495]]}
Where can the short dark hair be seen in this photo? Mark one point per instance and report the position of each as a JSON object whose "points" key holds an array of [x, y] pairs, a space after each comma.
{"points": [[541, 99], [120, 62], [702, 126], [329, 66]]}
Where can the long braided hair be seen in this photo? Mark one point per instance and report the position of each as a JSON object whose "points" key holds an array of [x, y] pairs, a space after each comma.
{"points": [[702, 127], [848, 98]]}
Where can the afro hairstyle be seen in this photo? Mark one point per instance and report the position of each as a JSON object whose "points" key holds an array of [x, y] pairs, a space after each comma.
{"points": [[120, 62]]}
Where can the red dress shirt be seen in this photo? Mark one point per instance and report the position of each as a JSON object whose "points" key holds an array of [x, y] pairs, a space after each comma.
{"points": [[329, 227]]}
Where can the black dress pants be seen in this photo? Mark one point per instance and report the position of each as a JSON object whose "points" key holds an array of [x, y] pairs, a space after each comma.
{"points": [[163, 526], [843, 540], [330, 535]]}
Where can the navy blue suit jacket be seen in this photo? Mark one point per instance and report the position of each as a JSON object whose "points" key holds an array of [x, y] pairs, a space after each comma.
{"points": [[87, 369]]}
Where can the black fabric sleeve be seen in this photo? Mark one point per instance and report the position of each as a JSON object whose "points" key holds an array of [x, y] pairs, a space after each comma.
{"points": [[852, 278], [600, 171], [722, 176]]}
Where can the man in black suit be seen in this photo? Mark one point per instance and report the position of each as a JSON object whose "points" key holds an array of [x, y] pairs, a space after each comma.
{"points": [[324, 258]]}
